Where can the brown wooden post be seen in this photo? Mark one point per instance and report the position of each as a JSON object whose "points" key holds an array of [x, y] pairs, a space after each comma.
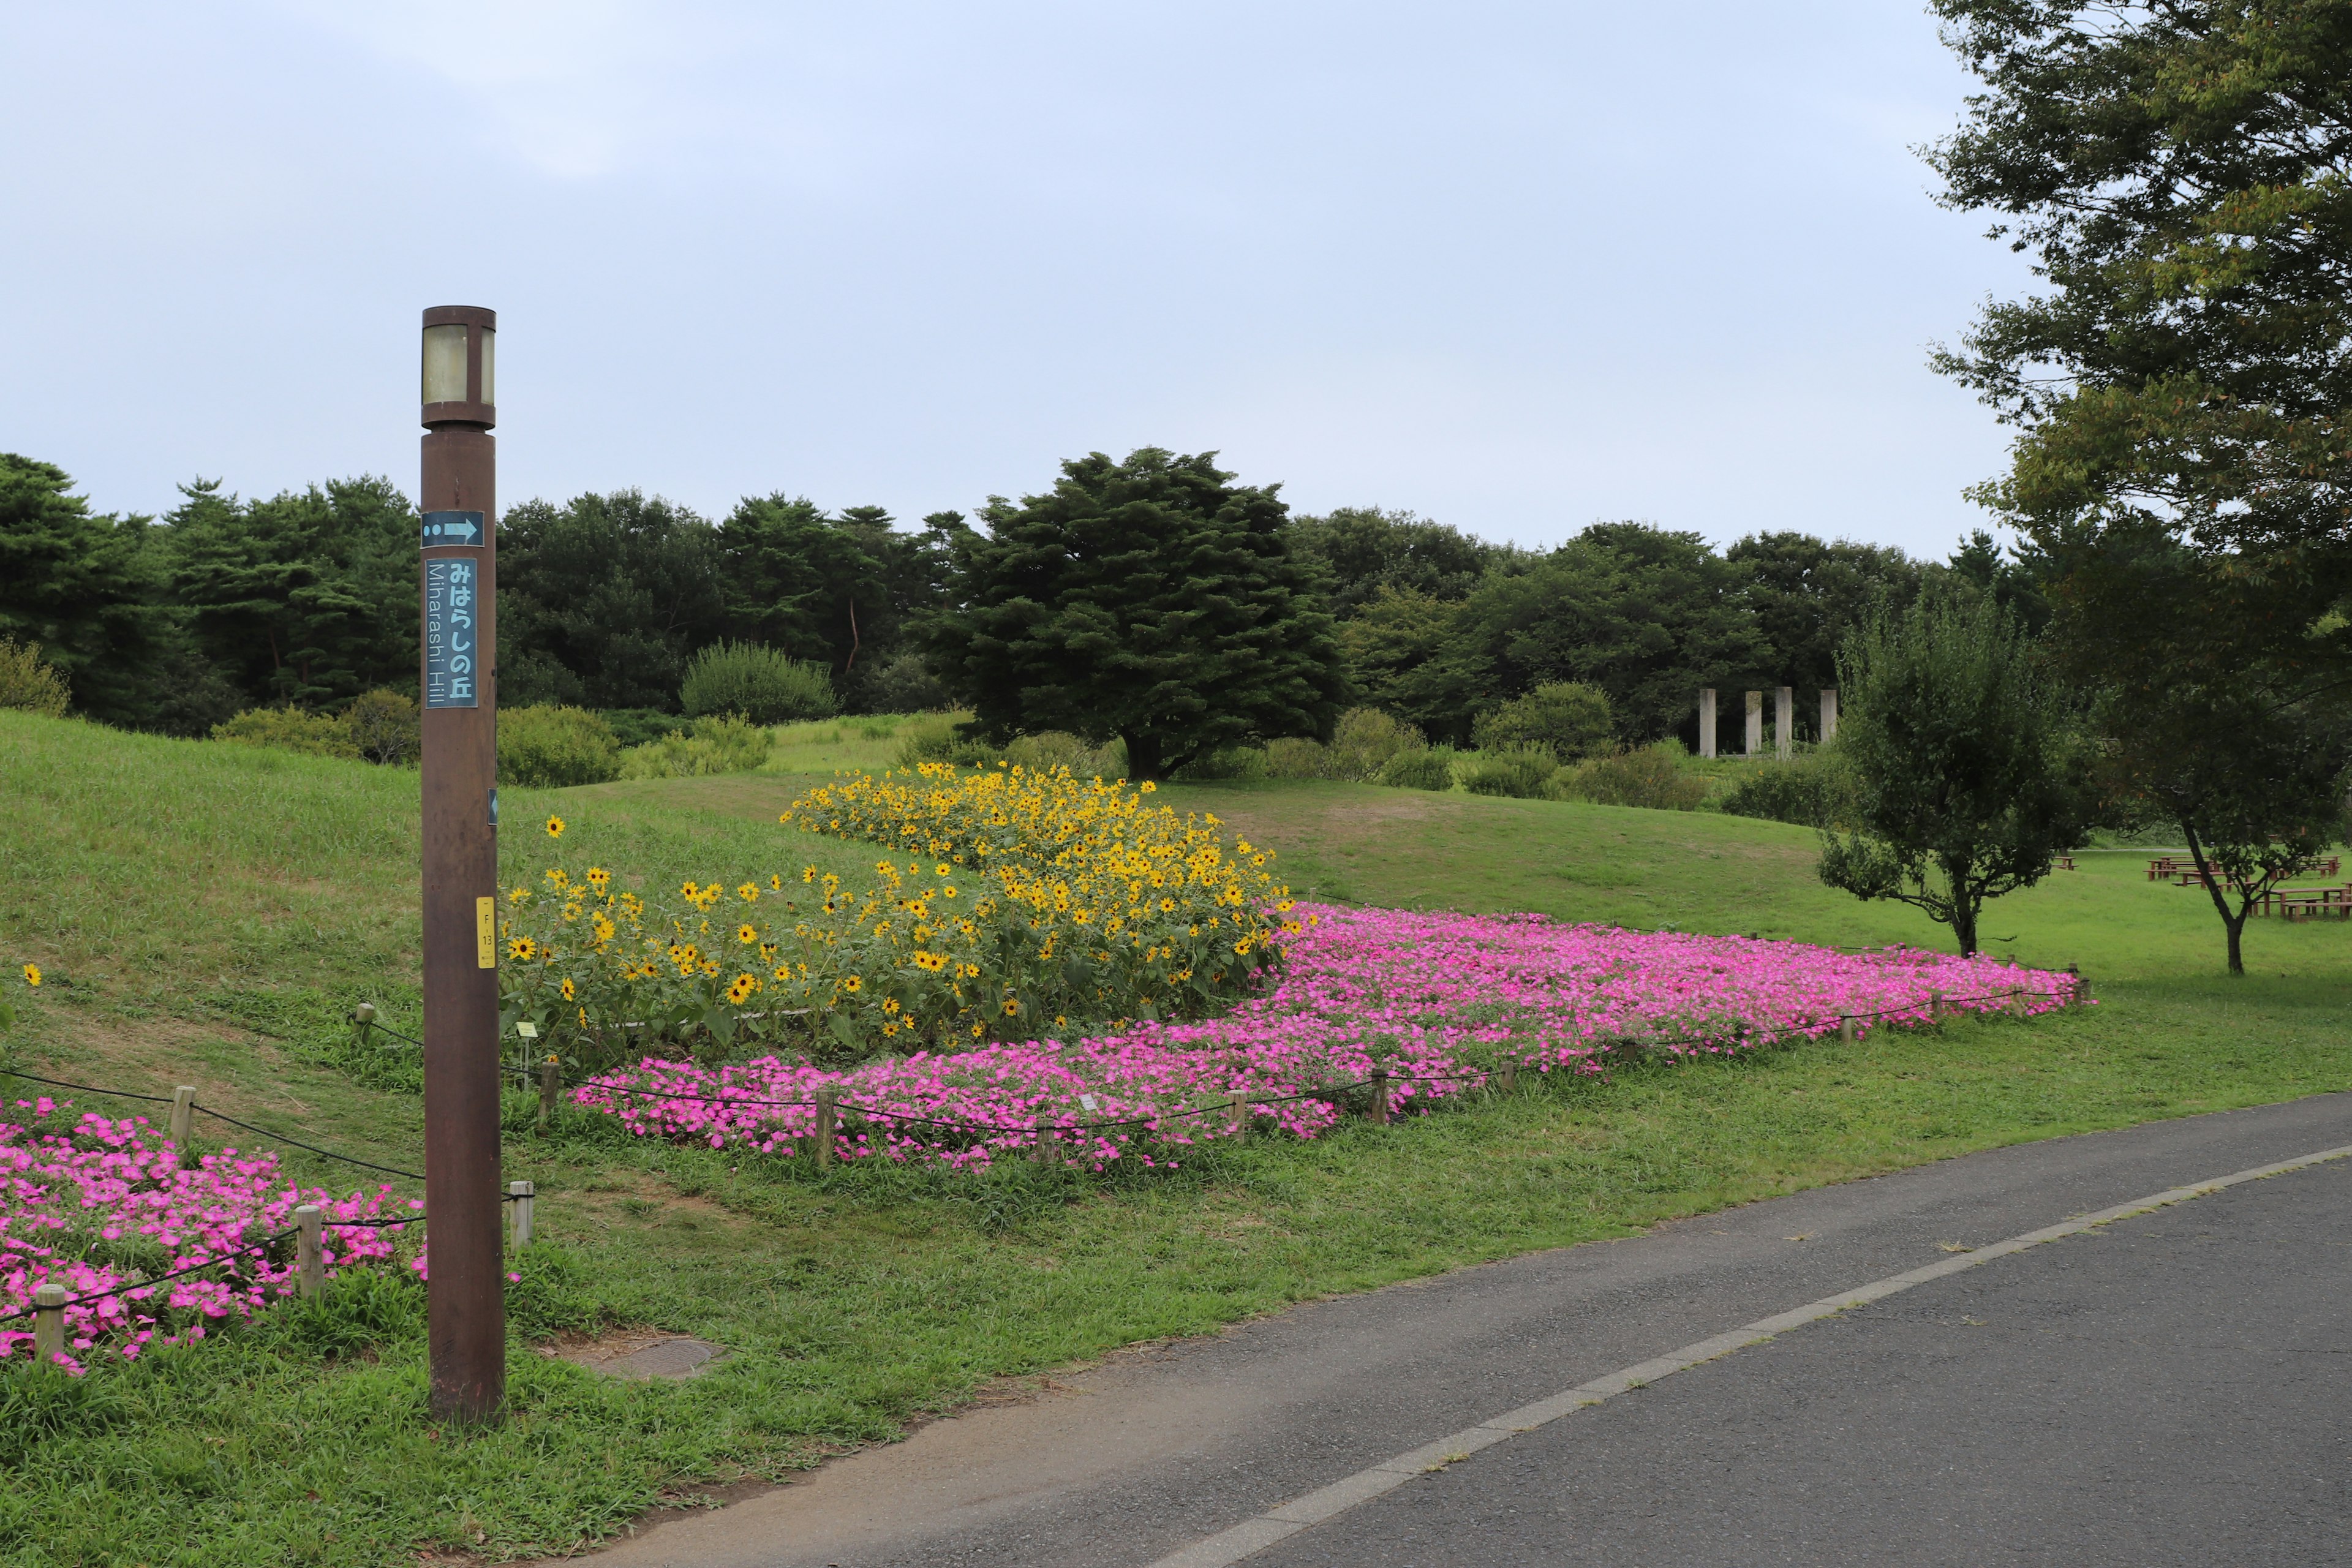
{"points": [[1380, 1095], [827, 1099], [48, 1323], [1935, 1006], [550, 1083], [458, 590], [2017, 1003], [309, 1251], [1510, 1076], [1847, 1032]]}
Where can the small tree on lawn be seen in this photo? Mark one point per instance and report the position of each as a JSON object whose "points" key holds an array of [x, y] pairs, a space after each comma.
{"points": [[1152, 599], [1968, 780]]}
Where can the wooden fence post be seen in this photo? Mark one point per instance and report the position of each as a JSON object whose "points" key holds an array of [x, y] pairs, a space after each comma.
{"points": [[1380, 1095], [2017, 1000], [363, 1023], [2081, 990], [309, 1257], [1847, 1032], [825, 1099], [551, 1081], [519, 1197], [1510, 1075], [48, 1323], [1935, 1006], [183, 1116]]}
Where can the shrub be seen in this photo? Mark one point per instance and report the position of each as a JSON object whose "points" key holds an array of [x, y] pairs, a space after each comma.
{"points": [[29, 683], [1364, 742], [1803, 792], [1048, 750], [730, 744], [384, 725], [291, 730], [551, 748], [1228, 763], [1431, 767], [901, 685], [1650, 777], [1522, 772], [931, 738], [1294, 757], [756, 681], [1566, 718], [635, 726]]}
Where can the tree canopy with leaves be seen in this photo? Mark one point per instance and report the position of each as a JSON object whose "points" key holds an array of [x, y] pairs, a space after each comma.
{"points": [[1153, 599], [2181, 173], [1965, 781]]}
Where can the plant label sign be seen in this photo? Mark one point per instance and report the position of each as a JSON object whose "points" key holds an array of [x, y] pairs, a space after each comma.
{"points": [[452, 632], [443, 528]]}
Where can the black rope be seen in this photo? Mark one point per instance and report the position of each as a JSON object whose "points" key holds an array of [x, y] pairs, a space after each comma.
{"points": [[86, 1089], [250, 1248], [313, 1148]]}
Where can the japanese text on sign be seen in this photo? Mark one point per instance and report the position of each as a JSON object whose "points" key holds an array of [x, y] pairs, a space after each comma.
{"points": [[452, 634]]}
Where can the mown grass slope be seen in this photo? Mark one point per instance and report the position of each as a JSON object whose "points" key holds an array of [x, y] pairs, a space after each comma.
{"points": [[210, 911]]}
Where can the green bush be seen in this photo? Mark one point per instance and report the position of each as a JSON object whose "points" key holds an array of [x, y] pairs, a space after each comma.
{"points": [[1651, 777], [1566, 718], [1294, 757], [29, 683], [1805, 793], [1230, 763], [1522, 772], [635, 726], [551, 748], [291, 730], [384, 725], [759, 683], [1364, 742], [1430, 767], [1048, 750], [728, 744]]}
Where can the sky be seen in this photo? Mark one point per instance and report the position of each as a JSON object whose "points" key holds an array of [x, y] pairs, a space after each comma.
{"points": [[1514, 266]]}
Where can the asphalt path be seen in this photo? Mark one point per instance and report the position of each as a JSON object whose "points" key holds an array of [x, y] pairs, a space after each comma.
{"points": [[2174, 1386]]}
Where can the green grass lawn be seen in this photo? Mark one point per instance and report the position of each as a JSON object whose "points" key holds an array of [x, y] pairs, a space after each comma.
{"points": [[211, 910]]}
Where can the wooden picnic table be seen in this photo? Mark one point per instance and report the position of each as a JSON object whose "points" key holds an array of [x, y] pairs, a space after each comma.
{"points": [[2163, 866], [2296, 903]]}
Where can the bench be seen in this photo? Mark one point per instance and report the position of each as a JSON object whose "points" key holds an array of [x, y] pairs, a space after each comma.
{"points": [[2065, 862]]}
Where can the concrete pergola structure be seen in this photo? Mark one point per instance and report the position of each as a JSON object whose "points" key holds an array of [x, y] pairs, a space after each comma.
{"points": [[1784, 721]]}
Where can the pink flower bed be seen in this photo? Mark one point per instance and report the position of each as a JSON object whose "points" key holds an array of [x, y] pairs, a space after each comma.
{"points": [[1436, 1000], [72, 1185]]}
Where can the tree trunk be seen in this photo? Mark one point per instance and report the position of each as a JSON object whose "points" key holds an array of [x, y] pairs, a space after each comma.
{"points": [[2235, 925], [1143, 754], [1965, 902]]}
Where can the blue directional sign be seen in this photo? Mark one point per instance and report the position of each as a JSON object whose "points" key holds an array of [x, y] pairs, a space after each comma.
{"points": [[453, 632], [445, 528]]}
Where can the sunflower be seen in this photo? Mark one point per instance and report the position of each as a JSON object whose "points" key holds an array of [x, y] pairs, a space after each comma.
{"points": [[522, 949], [555, 827], [747, 935], [598, 877], [851, 985], [748, 892], [1013, 1007], [565, 989], [740, 990], [33, 975]]}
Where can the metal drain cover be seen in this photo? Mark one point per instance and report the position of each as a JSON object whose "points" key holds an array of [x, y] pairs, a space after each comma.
{"points": [[668, 1357]]}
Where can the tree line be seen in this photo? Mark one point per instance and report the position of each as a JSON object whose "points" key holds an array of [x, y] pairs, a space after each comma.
{"points": [[307, 599]]}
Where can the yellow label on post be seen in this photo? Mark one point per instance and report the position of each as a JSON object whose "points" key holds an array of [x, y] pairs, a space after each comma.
{"points": [[485, 933]]}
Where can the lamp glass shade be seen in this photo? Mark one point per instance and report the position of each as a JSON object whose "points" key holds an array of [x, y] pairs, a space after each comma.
{"points": [[444, 364], [489, 342]]}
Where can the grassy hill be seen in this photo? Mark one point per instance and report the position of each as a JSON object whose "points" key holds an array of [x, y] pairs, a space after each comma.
{"points": [[208, 914]]}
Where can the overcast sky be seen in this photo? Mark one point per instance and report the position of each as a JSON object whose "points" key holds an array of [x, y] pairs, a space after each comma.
{"points": [[1515, 267]]}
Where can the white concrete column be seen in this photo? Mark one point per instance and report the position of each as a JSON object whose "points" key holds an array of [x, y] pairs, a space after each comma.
{"points": [[1707, 720], [1829, 714], [1755, 723], [1784, 722]]}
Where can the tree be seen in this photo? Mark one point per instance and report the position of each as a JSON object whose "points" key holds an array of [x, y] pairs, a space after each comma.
{"points": [[80, 586], [307, 599], [2207, 726], [1405, 657], [1363, 550], [796, 581], [603, 600], [1646, 615], [1153, 599], [1809, 596], [2182, 175], [1967, 781]]}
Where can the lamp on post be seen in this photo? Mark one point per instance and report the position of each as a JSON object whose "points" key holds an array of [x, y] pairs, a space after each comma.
{"points": [[457, 595]]}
